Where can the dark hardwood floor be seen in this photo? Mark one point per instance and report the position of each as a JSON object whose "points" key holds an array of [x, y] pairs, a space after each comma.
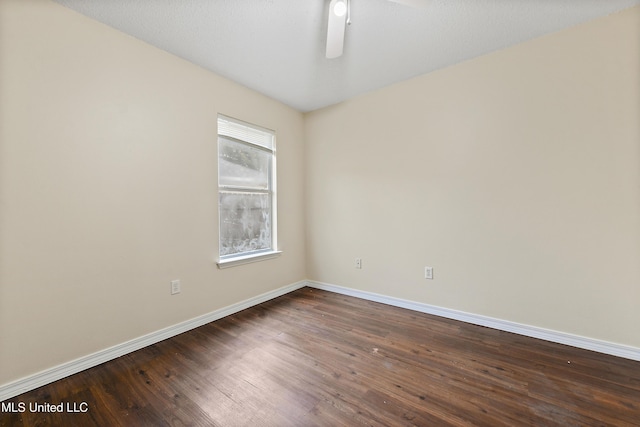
{"points": [[315, 358]]}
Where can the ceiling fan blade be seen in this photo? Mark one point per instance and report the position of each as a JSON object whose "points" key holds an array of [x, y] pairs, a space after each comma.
{"points": [[335, 28], [421, 4]]}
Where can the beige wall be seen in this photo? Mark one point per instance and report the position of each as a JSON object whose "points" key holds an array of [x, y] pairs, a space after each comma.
{"points": [[515, 175], [108, 188]]}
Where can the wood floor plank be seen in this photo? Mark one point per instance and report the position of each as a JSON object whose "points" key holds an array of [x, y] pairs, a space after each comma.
{"points": [[315, 358]]}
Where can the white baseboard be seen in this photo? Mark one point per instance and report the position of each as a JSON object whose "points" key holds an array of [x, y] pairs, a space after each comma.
{"points": [[47, 376], [605, 347]]}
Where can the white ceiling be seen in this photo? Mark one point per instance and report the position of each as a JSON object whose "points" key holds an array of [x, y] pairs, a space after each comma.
{"points": [[277, 47]]}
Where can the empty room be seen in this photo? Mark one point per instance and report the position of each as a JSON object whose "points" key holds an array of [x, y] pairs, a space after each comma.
{"points": [[320, 213]]}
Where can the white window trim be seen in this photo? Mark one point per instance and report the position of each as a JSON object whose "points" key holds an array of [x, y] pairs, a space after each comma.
{"points": [[251, 257], [247, 259]]}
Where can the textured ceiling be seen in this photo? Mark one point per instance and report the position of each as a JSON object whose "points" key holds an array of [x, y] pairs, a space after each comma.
{"points": [[277, 47]]}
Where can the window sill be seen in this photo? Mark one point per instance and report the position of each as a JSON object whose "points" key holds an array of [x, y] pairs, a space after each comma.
{"points": [[246, 259]]}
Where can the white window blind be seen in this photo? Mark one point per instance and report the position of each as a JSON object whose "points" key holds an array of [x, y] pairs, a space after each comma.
{"points": [[244, 132]]}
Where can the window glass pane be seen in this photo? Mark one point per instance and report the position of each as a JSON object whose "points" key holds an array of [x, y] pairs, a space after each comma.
{"points": [[245, 222], [242, 165]]}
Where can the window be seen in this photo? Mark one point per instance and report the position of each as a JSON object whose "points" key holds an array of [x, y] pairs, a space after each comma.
{"points": [[246, 192]]}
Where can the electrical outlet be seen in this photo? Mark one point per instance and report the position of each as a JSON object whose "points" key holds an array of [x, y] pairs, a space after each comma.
{"points": [[358, 263], [428, 272], [175, 287]]}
